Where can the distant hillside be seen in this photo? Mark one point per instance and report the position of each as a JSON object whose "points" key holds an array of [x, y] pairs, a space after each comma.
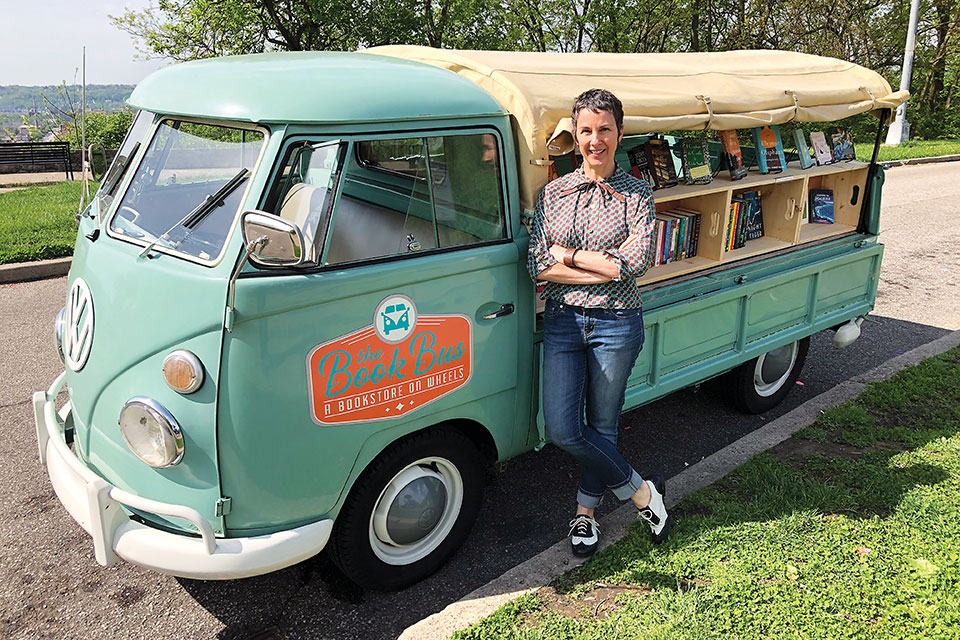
{"points": [[17, 98]]}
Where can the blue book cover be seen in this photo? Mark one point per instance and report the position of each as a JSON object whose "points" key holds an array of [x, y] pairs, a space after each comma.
{"points": [[821, 206]]}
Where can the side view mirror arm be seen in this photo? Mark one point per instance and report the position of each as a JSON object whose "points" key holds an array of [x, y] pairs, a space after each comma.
{"points": [[252, 246]]}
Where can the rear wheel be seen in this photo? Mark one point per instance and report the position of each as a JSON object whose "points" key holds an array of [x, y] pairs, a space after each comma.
{"points": [[409, 511], [762, 383]]}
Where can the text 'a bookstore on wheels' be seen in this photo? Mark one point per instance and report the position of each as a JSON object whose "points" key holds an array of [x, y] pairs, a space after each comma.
{"points": [[718, 201]]}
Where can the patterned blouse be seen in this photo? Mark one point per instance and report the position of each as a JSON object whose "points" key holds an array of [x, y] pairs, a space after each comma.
{"points": [[574, 211]]}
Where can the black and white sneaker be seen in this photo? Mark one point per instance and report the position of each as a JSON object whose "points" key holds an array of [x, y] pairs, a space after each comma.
{"points": [[584, 535], [655, 513]]}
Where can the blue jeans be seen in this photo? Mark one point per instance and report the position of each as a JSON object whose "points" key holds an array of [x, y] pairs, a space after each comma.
{"points": [[587, 356]]}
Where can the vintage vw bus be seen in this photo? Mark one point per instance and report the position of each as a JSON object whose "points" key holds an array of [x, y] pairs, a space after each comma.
{"points": [[298, 315]]}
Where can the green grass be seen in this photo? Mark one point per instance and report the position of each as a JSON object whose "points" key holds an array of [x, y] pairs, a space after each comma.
{"points": [[909, 149], [771, 550], [38, 223]]}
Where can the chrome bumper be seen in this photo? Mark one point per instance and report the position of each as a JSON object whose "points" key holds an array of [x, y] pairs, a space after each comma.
{"points": [[96, 506]]}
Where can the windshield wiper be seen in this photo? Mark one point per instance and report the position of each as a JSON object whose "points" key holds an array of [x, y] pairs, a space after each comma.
{"points": [[202, 210]]}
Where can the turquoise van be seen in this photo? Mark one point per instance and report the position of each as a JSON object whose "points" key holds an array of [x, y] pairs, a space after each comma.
{"points": [[298, 316]]}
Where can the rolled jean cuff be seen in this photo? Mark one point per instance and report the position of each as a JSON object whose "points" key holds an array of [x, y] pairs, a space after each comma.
{"points": [[587, 500], [626, 490]]}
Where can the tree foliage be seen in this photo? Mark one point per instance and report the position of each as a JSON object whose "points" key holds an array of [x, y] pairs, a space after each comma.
{"points": [[869, 32]]}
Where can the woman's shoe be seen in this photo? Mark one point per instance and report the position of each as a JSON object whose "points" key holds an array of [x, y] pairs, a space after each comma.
{"points": [[655, 513], [584, 535]]}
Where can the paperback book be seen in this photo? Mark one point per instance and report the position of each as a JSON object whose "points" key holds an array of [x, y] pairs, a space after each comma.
{"points": [[695, 161], [821, 150], [803, 151], [843, 150], [821, 206], [639, 166], [753, 215], [732, 154], [769, 149], [660, 160]]}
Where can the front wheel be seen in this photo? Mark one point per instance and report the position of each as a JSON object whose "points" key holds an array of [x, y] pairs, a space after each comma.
{"points": [[762, 383], [409, 511]]}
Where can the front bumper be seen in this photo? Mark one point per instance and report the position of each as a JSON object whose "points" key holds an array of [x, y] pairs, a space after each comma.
{"points": [[96, 506]]}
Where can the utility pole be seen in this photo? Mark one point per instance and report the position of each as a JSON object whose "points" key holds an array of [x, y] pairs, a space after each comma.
{"points": [[900, 129]]}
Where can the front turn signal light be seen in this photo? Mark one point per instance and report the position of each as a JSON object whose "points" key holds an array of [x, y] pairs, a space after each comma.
{"points": [[183, 371]]}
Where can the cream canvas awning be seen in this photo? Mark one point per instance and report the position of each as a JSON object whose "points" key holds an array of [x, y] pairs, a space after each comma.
{"points": [[660, 92]]}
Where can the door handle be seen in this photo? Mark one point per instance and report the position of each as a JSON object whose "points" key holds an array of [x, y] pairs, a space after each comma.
{"points": [[505, 310]]}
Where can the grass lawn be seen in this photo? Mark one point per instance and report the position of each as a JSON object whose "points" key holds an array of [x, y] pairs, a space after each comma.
{"points": [[37, 223], [909, 149], [850, 529]]}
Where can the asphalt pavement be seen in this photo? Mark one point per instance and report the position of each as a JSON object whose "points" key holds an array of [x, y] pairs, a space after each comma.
{"points": [[52, 587]]}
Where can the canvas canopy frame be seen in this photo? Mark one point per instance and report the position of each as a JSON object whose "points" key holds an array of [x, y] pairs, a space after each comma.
{"points": [[660, 92]]}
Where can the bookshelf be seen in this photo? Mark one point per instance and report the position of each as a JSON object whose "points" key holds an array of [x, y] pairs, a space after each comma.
{"points": [[782, 196]]}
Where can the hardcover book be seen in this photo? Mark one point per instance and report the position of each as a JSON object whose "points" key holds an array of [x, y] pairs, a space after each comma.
{"points": [[769, 149], [732, 154], [802, 150], [695, 159], [753, 215], [843, 150], [639, 166], [660, 160], [821, 150], [694, 241], [821, 206]]}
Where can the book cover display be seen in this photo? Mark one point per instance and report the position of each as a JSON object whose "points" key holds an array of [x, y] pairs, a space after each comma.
{"points": [[639, 166], [732, 154], [802, 150], [821, 150], [695, 158], [660, 160], [821, 206], [769, 148], [843, 150], [753, 214]]}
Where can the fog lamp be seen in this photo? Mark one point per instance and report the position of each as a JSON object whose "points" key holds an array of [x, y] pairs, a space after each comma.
{"points": [[152, 434], [182, 371]]}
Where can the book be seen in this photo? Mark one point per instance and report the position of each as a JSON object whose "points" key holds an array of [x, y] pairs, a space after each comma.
{"points": [[821, 206], [695, 161], [639, 166], [754, 215], [660, 160], [769, 149], [843, 150], [730, 237], [802, 150], [732, 154], [694, 242], [821, 150]]}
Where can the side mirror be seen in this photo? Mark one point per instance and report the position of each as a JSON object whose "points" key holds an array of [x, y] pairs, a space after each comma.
{"points": [[271, 240]]}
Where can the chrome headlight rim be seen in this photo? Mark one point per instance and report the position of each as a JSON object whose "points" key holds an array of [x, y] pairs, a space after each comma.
{"points": [[194, 362], [166, 421], [58, 326]]}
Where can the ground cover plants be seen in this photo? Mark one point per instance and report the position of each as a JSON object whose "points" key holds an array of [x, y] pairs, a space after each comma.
{"points": [[909, 149], [849, 529], [38, 223]]}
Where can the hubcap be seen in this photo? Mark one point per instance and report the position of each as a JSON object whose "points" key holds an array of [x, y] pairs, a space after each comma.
{"points": [[416, 511], [773, 368]]}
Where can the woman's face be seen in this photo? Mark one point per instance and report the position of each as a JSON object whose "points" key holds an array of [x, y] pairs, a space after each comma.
{"points": [[597, 137]]}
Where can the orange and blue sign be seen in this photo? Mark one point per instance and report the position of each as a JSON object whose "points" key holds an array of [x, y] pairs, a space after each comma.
{"points": [[401, 362]]}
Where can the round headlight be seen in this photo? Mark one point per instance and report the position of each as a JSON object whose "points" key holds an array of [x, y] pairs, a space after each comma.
{"points": [[151, 432], [182, 371], [58, 332]]}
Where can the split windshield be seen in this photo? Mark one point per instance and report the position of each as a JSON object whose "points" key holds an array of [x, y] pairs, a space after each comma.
{"points": [[187, 190]]}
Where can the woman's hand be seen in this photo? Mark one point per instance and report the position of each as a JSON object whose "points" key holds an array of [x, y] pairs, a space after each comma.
{"points": [[558, 252]]}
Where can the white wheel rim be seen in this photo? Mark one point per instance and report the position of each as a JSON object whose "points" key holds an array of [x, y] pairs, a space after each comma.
{"points": [[774, 368], [393, 553]]}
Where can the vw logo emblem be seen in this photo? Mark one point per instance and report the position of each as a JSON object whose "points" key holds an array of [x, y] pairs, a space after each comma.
{"points": [[78, 326]]}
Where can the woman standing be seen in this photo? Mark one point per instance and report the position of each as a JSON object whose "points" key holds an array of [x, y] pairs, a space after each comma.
{"points": [[591, 238]]}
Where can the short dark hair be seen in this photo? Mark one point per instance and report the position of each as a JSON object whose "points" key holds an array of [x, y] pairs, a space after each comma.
{"points": [[599, 100]]}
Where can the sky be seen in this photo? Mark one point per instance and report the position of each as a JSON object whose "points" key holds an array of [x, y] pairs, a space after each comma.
{"points": [[42, 43]]}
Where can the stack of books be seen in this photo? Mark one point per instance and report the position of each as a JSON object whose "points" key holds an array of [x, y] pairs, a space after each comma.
{"points": [[677, 235], [745, 221]]}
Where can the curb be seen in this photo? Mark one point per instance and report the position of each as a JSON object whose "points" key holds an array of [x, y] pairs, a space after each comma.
{"points": [[928, 160], [557, 560], [26, 271]]}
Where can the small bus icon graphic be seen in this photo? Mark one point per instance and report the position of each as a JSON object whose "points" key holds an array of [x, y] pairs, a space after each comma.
{"points": [[395, 317]]}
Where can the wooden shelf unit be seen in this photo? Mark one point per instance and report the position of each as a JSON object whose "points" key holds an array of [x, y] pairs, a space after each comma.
{"points": [[783, 196]]}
